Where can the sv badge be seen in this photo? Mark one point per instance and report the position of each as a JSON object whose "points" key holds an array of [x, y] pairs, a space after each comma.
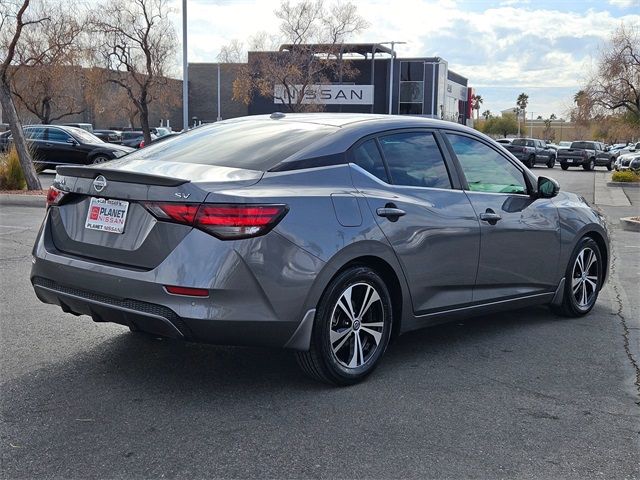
{"points": [[182, 195]]}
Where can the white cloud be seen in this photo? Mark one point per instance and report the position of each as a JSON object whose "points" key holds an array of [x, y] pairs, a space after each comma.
{"points": [[624, 3]]}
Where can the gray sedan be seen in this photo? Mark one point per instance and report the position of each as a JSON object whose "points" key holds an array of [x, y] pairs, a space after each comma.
{"points": [[327, 234]]}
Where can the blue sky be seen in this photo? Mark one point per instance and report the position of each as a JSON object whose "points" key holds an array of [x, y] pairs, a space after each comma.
{"points": [[542, 47]]}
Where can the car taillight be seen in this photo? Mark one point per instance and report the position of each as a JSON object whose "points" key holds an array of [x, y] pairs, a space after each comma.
{"points": [[224, 221], [142, 144], [54, 196]]}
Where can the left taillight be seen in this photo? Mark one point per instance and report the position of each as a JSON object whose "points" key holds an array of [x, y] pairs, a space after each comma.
{"points": [[224, 221], [54, 196]]}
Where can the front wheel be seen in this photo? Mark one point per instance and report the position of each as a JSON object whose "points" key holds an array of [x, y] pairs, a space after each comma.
{"points": [[531, 161], [551, 162], [610, 165], [583, 279], [351, 329], [100, 159], [564, 166]]}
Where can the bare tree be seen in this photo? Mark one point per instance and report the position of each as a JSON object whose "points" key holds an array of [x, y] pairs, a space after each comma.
{"points": [[313, 34], [233, 52], [13, 20], [47, 77], [137, 42], [616, 82]]}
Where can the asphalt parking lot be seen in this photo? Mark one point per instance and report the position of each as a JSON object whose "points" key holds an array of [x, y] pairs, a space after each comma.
{"points": [[524, 394]]}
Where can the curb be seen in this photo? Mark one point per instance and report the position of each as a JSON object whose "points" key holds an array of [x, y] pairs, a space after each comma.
{"points": [[16, 200], [630, 225], [624, 184]]}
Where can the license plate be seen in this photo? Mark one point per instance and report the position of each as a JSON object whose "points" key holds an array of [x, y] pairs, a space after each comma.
{"points": [[107, 215]]}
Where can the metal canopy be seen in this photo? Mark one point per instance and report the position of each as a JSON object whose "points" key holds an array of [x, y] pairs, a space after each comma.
{"points": [[364, 49]]}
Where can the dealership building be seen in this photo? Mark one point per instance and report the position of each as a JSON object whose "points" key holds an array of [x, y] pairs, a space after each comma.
{"points": [[383, 83]]}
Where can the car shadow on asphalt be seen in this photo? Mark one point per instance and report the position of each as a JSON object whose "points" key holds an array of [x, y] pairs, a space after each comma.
{"points": [[133, 362]]}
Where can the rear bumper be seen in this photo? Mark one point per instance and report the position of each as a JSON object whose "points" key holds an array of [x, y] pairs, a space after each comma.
{"points": [[162, 321], [253, 299]]}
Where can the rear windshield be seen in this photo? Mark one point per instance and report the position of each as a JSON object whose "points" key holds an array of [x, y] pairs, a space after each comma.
{"points": [[248, 144], [583, 145], [129, 135], [522, 142]]}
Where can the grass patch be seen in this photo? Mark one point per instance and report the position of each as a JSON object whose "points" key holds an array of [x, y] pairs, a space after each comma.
{"points": [[11, 176], [626, 176]]}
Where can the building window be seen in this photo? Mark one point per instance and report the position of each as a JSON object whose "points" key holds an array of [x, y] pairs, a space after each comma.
{"points": [[411, 88]]}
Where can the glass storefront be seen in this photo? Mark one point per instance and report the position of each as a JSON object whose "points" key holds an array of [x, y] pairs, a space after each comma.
{"points": [[411, 88]]}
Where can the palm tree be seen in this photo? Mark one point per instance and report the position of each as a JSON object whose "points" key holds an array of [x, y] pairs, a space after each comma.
{"points": [[553, 117], [522, 102], [486, 114], [476, 101]]}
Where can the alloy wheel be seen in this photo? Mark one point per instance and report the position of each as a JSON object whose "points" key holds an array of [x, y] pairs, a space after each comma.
{"points": [[357, 324], [584, 279]]}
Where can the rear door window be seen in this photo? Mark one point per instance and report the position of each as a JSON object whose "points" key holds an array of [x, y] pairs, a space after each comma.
{"points": [[55, 135], [367, 156], [414, 159]]}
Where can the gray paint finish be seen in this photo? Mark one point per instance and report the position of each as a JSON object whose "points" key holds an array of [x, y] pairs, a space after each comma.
{"points": [[445, 261]]}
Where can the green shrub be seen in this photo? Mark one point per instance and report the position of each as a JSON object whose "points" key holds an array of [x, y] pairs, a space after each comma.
{"points": [[625, 176], [11, 176]]}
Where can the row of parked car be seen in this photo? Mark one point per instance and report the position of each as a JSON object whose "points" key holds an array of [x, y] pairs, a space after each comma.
{"points": [[585, 154], [74, 144]]}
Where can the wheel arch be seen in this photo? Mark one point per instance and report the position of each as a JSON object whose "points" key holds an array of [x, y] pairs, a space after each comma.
{"points": [[604, 251]]}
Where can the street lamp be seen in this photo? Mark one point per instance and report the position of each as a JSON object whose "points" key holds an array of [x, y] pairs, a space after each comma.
{"points": [[185, 70], [393, 57]]}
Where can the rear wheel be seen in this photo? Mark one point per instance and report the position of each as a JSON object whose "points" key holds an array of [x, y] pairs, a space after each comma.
{"points": [[583, 279], [351, 330], [590, 165], [531, 161], [564, 166], [610, 165]]}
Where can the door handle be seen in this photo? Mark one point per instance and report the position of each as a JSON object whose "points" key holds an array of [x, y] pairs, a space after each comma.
{"points": [[48, 145], [490, 217], [391, 212]]}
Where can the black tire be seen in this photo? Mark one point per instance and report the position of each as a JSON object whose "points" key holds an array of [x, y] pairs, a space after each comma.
{"points": [[589, 166], [99, 159], [610, 165], [326, 361], [564, 166], [552, 161], [531, 161], [576, 285]]}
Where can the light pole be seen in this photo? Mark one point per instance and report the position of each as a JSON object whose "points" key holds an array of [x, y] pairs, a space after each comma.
{"points": [[219, 116], [185, 70], [393, 57], [517, 112]]}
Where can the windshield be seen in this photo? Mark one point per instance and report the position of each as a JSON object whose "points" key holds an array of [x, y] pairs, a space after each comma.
{"points": [[83, 135], [522, 142], [248, 144], [583, 145]]}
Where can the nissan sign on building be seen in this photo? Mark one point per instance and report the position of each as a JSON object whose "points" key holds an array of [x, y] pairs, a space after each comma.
{"points": [[325, 94]]}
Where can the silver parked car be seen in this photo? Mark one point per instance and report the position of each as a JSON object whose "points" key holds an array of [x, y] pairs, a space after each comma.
{"points": [[327, 234]]}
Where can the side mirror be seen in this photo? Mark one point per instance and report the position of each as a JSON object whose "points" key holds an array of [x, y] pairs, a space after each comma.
{"points": [[71, 141], [547, 187]]}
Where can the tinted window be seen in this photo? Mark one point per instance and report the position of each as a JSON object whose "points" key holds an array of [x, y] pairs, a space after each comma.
{"points": [[249, 144], [84, 136], [411, 71], [414, 159], [584, 145], [367, 156], [34, 133], [56, 135], [485, 169]]}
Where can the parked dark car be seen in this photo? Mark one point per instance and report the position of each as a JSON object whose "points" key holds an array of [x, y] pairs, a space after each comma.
{"points": [[587, 155], [4, 140], [164, 138], [327, 234], [59, 145], [110, 136], [531, 151], [134, 138]]}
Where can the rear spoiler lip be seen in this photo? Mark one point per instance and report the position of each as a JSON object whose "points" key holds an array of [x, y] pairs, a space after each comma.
{"points": [[124, 176]]}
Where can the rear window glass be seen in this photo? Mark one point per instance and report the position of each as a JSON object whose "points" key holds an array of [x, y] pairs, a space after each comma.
{"points": [[522, 142], [252, 145], [584, 145]]}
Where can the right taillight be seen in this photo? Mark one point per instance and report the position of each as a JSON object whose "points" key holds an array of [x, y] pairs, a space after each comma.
{"points": [[224, 221]]}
